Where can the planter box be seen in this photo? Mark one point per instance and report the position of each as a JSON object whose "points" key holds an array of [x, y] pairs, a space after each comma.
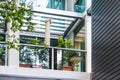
{"points": [[1, 63], [67, 68], [25, 65]]}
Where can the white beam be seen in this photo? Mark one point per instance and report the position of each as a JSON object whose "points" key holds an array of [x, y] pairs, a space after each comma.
{"points": [[52, 16], [58, 12], [80, 35], [43, 73]]}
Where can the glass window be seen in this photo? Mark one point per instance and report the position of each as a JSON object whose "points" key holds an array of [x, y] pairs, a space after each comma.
{"points": [[54, 42], [38, 40], [26, 39], [2, 37], [57, 4], [79, 6], [54, 4]]}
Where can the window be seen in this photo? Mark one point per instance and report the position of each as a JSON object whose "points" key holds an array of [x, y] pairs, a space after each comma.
{"points": [[79, 6]]}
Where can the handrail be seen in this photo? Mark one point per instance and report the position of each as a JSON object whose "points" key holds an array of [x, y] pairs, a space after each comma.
{"points": [[72, 49], [53, 47]]}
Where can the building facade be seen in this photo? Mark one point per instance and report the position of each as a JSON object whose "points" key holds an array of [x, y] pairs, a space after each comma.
{"points": [[105, 39]]}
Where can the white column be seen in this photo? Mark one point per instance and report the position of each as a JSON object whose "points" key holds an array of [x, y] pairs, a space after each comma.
{"points": [[88, 38], [47, 32], [13, 54], [88, 44]]}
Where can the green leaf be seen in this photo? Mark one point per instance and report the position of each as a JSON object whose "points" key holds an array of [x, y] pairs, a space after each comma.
{"points": [[7, 19]]}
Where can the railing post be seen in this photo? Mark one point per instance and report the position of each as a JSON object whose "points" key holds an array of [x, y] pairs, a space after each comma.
{"points": [[13, 54], [6, 56], [52, 59]]}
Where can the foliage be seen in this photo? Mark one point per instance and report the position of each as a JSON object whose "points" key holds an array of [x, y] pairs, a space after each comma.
{"points": [[1, 38], [2, 54], [26, 56], [61, 42], [68, 43], [18, 15], [34, 41], [43, 55], [68, 53], [32, 55], [65, 43]]}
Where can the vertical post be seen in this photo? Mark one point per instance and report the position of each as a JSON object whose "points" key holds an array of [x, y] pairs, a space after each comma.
{"points": [[6, 56], [13, 54], [73, 38], [88, 36], [52, 59], [47, 32]]}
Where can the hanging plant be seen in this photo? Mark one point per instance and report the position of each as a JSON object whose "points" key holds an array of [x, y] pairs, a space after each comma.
{"points": [[15, 15]]}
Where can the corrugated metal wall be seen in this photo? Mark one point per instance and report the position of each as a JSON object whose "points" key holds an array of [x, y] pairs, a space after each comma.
{"points": [[106, 39]]}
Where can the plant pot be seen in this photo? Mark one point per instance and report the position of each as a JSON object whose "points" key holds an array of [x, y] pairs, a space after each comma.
{"points": [[1, 63], [67, 68], [25, 65]]}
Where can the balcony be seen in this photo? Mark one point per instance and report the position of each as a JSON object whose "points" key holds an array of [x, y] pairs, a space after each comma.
{"points": [[45, 60]]}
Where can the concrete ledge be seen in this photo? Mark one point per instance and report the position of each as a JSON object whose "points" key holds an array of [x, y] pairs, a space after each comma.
{"points": [[43, 73]]}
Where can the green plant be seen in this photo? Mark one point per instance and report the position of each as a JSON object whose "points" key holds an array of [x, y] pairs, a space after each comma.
{"points": [[61, 42], [35, 41], [68, 53], [1, 38], [15, 16], [64, 43], [68, 43], [43, 55], [33, 54], [26, 55], [2, 54]]}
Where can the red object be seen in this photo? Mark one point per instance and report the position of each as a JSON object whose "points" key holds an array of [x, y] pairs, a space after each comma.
{"points": [[67, 68], [25, 65], [1, 63]]}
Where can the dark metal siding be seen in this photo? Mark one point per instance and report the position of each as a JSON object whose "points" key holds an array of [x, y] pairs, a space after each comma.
{"points": [[105, 39]]}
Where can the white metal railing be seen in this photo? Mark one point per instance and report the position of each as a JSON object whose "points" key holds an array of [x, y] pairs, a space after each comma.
{"points": [[52, 51]]}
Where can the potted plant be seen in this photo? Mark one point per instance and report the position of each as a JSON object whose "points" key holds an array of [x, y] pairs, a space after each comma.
{"points": [[66, 60], [67, 54], [41, 57], [40, 54], [26, 59], [36, 56], [75, 60]]}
